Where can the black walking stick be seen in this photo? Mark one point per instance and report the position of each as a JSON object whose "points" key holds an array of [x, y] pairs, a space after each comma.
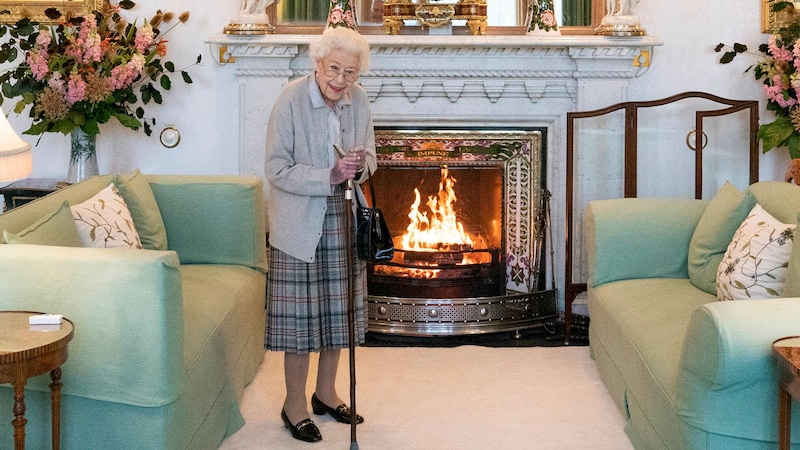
{"points": [[351, 307]]}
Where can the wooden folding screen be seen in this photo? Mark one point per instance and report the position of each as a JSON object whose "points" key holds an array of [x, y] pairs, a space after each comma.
{"points": [[575, 283]]}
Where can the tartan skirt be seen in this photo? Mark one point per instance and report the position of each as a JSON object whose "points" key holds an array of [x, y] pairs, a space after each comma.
{"points": [[307, 302]]}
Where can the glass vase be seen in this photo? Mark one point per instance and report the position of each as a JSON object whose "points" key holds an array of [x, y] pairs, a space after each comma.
{"points": [[541, 18], [82, 156], [342, 14]]}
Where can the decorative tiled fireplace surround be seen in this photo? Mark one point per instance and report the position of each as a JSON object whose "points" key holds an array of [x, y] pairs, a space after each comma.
{"points": [[460, 82]]}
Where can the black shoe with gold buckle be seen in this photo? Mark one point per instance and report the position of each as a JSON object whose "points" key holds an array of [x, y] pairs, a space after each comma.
{"points": [[341, 413], [305, 430]]}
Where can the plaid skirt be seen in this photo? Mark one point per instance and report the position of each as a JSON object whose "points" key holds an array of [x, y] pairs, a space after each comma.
{"points": [[307, 302]]}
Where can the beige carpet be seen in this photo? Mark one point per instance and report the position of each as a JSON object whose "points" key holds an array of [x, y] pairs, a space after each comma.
{"points": [[450, 398]]}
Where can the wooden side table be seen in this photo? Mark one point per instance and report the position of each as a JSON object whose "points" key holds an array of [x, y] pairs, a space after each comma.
{"points": [[787, 353], [27, 351], [23, 191]]}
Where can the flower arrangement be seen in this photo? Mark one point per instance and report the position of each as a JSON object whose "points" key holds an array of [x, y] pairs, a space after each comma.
{"points": [[778, 71], [82, 71]]}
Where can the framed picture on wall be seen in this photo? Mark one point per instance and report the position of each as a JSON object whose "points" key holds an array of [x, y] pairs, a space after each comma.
{"points": [[12, 11], [771, 20]]}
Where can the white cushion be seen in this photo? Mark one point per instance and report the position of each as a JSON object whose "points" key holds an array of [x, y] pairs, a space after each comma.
{"points": [[104, 221], [755, 264]]}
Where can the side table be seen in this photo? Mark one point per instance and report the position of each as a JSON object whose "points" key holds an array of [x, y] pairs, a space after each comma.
{"points": [[27, 351], [22, 191], [787, 353]]}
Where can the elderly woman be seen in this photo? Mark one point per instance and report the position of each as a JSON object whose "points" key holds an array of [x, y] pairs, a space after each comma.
{"points": [[307, 291]]}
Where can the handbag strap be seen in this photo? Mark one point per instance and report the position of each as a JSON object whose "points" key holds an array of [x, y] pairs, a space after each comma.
{"points": [[371, 192]]}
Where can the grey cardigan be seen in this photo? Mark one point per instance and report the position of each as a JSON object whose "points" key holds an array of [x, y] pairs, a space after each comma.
{"points": [[297, 168]]}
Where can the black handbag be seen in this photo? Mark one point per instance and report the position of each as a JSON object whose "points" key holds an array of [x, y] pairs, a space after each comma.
{"points": [[373, 241]]}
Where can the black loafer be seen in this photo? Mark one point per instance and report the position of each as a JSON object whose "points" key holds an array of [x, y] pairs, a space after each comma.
{"points": [[341, 413], [305, 430]]}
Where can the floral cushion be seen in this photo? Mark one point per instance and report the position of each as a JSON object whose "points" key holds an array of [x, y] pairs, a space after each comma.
{"points": [[104, 221], [755, 264]]}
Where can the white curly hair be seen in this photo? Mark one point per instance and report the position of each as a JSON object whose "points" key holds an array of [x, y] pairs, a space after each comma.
{"points": [[341, 38]]}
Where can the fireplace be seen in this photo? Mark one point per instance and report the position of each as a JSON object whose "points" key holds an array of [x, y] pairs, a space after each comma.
{"points": [[450, 82], [464, 208]]}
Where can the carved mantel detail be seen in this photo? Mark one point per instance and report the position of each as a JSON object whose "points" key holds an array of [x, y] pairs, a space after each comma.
{"points": [[494, 67]]}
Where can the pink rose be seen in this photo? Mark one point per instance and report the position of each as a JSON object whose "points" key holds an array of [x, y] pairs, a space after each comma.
{"points": [[349, 17], [548, 18], [336, 15]]}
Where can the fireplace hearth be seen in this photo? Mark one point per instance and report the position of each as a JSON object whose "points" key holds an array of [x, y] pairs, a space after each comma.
{"points": [[486, 274]]}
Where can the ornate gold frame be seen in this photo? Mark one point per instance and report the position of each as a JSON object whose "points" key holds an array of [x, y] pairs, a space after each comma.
{"points": [[770, 21], [13, 10]]}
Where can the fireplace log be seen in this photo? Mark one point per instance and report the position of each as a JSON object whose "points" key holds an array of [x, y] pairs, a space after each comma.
{"points": [[433, 258]]}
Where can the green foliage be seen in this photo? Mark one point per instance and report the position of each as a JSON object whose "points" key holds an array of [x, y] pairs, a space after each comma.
{"points": [[86, 70], [777, 70]]}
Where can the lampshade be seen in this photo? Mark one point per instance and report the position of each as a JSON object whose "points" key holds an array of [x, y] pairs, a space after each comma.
{"points": [[16, 160]]}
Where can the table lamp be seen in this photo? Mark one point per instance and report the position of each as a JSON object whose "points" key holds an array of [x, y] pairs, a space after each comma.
{"points": [[16, 160]]}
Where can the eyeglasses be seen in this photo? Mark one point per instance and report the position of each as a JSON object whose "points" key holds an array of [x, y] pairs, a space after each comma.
{"points": [[333, 71]]}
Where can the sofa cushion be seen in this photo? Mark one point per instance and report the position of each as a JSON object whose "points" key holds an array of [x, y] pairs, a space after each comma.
{"points": [[57, 228], [104, 221], [145, 213], [714, 232], [754, 266], [237, 235], [792, 286], [639, 238]]}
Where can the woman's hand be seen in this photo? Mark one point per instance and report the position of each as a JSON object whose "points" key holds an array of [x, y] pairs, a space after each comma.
{"points": [[361, 154], [346, 167]]}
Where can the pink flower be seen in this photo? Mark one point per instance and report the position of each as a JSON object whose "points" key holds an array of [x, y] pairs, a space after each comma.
{"points": [[56, 82], [336, 15], [777, 93], [76, 89], [38, 64], [74, 50], [124, 75], [548, 18], [87, 27], [43, 41], [144, 37], [779, 53], [350, 19], [93, 49]]}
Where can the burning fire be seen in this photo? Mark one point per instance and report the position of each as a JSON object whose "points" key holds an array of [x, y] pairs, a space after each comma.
{"points": [[442, 231]]}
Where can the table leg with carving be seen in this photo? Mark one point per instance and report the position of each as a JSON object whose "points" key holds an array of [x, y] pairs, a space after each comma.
{"points": [[55, 405], [19, 421], [28, 351]]}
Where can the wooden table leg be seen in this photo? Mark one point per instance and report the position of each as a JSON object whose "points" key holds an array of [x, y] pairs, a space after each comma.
{"points": [[19, 408], [55, 406], [784, 417]]}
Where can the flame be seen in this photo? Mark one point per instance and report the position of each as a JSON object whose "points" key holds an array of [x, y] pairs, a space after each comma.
{"points": [[442, 230]]}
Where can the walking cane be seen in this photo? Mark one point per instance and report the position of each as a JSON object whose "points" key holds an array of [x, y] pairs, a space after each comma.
{"points": [[351, 307]]}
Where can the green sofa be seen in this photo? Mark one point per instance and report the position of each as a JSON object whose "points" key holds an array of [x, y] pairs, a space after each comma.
{"points": [[687, 371], [165, 340]]}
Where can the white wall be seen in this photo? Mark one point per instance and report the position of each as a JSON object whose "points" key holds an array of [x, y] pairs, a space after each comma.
{"points": [[206, 112]]}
